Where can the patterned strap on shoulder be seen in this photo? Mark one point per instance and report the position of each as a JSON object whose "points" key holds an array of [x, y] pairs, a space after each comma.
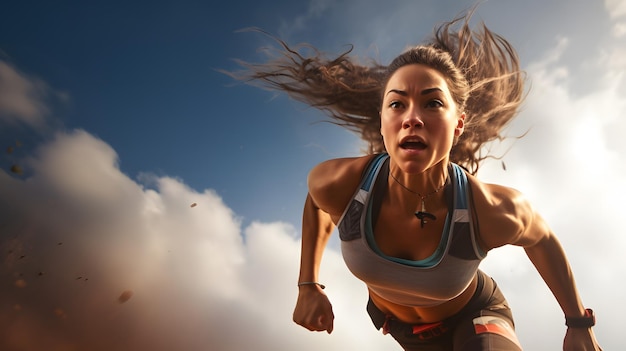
{"points": [[372, 171]]}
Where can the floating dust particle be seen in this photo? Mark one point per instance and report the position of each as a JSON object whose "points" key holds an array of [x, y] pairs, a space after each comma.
{"points": [[125, 296], [20, 283], [60, 313], [16, 169]]}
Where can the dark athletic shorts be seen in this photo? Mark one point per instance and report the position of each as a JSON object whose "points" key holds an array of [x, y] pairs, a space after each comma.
{"points": [[485, 323]]}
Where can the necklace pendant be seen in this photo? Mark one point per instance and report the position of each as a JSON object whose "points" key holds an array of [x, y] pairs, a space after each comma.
{"points": [[424, 216]]}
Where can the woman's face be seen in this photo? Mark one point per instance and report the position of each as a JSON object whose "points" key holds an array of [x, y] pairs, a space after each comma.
{"points": [[419, 118]]}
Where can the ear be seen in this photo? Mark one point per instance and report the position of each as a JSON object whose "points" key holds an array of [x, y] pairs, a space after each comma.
{"points": [[460, 126]]}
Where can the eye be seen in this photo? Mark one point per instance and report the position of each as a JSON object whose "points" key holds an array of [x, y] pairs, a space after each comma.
{"points": [[395, 104], [435, 103]]}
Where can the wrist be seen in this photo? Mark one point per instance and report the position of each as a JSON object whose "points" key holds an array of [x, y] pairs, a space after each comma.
{"points": [[301, 284], [588, 320]]}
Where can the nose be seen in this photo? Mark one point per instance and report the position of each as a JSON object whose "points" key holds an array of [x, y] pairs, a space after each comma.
{"points": [[412, 120]]}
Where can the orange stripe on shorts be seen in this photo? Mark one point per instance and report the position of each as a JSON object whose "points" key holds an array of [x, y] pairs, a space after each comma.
{"points": [[495, 325]]}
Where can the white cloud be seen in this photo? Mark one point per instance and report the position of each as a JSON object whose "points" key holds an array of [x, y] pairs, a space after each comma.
{"points": [[22, 98], [78, 233], [619, 29], [617, 11], [616, 8], [316, 8]]}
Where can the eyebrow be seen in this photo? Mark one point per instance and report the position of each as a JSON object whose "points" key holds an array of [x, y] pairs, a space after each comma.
{"points": [[404, 93]]}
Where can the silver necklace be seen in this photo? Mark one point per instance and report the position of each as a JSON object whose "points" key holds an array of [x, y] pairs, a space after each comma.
{"points": [[422, 215]]}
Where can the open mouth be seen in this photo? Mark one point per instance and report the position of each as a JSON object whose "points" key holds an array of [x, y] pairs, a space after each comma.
{"points": [[413, 145]]}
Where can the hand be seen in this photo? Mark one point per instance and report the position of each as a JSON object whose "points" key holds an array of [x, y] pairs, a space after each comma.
{"points": [[313, 309], [580, 339]]}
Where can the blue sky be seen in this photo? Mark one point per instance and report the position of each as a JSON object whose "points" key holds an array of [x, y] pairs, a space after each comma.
{"points": [[144, 79], [124, 120]]}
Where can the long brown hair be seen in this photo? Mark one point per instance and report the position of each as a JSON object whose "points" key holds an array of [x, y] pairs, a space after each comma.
{"points": [[481, 69]]}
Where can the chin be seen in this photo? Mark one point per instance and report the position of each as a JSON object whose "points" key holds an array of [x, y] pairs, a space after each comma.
{"points": [[411, 166]]}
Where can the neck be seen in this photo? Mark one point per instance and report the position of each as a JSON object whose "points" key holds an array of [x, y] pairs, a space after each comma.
{"points": [[422, 184], [413, 191]]}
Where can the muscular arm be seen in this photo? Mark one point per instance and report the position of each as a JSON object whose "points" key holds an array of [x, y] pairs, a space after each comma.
{"points": [[313, 309], [512, 220], [547, 255], [331, 184], [317, 226]]}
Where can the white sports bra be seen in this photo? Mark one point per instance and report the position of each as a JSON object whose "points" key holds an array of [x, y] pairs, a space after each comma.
{"points": [[429, 282]]}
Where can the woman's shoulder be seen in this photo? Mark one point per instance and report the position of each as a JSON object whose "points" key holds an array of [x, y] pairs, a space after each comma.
{"points": [[333, 182], [503, 212], [496, 194]]}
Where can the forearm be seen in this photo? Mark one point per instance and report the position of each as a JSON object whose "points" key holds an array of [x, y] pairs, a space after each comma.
{"points": [[317, 227], [551, 262]]}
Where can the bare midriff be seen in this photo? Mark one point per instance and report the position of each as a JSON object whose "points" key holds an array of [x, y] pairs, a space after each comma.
{"points": [[421, 315]]}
